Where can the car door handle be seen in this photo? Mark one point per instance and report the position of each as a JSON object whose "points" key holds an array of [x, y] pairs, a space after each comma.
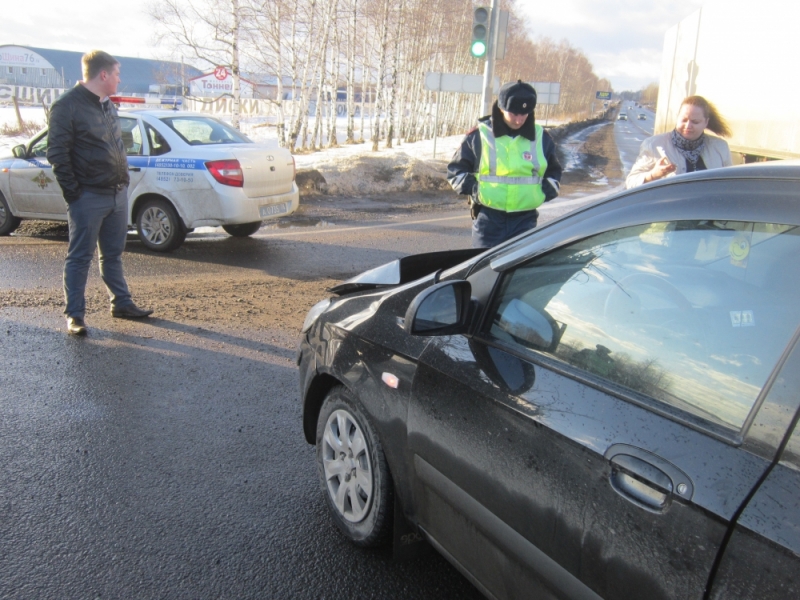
{"points": [[137, 169], [645, 479], [640, 482]]}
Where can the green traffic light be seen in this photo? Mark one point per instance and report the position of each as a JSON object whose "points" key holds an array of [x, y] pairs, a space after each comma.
{"points": [[478, 49]]}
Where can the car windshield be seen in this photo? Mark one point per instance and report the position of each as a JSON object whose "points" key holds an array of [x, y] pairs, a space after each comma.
{"points": [[202, 131]]}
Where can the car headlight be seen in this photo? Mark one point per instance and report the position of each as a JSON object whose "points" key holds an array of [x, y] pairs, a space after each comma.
{"points": [[313, 314]]}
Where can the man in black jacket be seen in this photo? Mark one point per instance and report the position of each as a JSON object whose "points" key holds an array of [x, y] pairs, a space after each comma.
{"points": [[86, 151], [508, 166]]}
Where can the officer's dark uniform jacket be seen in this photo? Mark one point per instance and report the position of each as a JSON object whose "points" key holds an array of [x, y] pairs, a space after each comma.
{"points": [[84, 144], [463, 169]]}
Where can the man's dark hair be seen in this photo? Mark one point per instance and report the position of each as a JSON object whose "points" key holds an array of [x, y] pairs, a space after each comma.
{"points": [[95, 61]]}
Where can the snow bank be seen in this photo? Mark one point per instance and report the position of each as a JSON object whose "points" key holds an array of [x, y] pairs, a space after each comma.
{"points": [[355, 170]]}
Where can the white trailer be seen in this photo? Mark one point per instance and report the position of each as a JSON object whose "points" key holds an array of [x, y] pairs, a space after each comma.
{"points": [[743, 57]]}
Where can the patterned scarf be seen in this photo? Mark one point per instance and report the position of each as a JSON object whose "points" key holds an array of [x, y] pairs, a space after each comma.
{"points": [[689, 149]]}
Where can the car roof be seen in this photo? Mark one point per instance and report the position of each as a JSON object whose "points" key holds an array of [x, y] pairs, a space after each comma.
{"points": [[773, 169], [627, 206]]}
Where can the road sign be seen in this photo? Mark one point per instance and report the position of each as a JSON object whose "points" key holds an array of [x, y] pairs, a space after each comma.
{"points": [[603, 95], [455, 82], [502, 33], [547, 92]]}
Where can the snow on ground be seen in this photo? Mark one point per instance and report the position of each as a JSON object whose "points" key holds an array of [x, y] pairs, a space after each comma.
{"points": [[355, 170], [8, 118], [346, 170]]}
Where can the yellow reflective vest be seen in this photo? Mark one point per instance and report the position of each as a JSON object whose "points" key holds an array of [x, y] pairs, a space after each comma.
{"points": [[510, 171]]}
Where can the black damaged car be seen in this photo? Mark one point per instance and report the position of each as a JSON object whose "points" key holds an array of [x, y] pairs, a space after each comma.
{"points": [[605, 407]]}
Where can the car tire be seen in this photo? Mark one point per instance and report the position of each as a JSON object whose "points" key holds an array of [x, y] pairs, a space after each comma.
{"points": [[243, 230], [8, 222], [353, 472], [159, 226]]}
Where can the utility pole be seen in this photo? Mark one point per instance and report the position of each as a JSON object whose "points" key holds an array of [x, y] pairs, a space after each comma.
{"points": [[488, 71]]}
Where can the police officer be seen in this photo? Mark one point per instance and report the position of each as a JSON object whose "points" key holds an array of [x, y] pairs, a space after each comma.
{"points": [[508, 166]]}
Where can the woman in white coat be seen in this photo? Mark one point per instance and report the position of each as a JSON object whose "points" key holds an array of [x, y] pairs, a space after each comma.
{"points": [[686, 148]]}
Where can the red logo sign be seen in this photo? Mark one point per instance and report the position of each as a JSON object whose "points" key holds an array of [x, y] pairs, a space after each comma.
{"points": [[221, 73], [527, 156]]}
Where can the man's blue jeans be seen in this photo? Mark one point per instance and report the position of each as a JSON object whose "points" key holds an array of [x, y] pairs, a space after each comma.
{"points": [[96, 219]]}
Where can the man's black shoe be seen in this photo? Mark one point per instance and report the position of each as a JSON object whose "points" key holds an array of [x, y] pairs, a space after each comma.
{"points": [[76, 326], [130, 312]]}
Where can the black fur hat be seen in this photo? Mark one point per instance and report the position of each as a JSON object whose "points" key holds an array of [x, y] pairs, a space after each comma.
{"points": [[518, 98]]}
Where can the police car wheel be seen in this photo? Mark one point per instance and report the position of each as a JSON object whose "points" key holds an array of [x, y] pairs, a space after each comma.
{"points": [[159, 226], [8, 222], [242, 230]]}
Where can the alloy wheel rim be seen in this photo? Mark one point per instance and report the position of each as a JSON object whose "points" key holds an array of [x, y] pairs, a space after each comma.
{"points": [[155, 225], [347, 466]]}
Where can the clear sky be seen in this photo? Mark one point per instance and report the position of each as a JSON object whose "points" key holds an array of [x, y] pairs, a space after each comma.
{"points": [[622, 38]]}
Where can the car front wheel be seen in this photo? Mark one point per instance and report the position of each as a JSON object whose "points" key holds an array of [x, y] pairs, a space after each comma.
{"points": [[159, 226], [353, 471], [8, 222], [242, 230]]}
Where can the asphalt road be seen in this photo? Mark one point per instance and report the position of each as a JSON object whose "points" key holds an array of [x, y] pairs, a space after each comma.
{"points": [[630, 134], [165, 459]]}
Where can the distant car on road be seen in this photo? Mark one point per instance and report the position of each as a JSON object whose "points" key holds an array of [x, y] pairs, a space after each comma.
{"points": [[642, 117], [622, 117], [187, 170], [605, 407]]}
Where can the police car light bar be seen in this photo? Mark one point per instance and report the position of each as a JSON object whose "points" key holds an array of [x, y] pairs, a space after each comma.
{"points": [[126, 100]]}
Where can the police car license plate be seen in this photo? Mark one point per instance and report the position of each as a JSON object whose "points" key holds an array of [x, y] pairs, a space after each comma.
{"points": [[273, 209]]}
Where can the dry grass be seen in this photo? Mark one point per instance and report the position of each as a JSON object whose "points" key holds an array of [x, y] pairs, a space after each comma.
{"points": [[28, 128]]}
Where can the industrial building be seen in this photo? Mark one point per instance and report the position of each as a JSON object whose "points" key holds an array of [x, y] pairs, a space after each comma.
{"points": [[46, 68]]}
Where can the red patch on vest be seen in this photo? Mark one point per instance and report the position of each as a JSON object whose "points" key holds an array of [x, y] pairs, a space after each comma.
{"points": [[527, 156]]}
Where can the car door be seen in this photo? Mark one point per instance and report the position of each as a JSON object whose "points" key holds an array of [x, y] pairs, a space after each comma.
{"points": [[587, 441], [762, 556], [33, 184], [34, 189], [132, 138]]}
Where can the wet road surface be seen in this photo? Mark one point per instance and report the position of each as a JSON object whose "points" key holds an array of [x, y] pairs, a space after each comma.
{"points": [[165, 459]]}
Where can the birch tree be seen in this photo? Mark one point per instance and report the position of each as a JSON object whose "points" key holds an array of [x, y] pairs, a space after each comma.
{"points": [[210, 30], [377, 51]]}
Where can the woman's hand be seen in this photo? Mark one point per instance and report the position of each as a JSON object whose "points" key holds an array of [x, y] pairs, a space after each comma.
{"points": [[662, 169]]}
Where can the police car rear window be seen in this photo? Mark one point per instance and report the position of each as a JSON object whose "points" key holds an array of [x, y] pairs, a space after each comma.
{"points": [[203, 131]]}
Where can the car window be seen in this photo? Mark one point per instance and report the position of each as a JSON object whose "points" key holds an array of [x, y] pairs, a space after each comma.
{"points": [[694, 314], [131, 136], [200, 131], [158, 145], [39, 147]]}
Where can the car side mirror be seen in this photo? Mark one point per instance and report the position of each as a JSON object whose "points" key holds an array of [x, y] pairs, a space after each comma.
{"points": [[442, 309], [19, 151]]}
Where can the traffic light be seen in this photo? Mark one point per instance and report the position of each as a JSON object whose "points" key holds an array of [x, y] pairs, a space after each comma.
{"points": [[480, 32]]}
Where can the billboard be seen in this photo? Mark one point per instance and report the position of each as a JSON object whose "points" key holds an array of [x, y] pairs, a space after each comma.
{"points": [[218, 83]]}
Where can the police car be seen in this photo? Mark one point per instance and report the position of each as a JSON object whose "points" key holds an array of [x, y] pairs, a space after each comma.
{"points": [[187, 170]]}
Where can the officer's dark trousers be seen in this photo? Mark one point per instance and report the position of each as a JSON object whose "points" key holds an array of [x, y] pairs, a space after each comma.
{"points": [[492, 227]]}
